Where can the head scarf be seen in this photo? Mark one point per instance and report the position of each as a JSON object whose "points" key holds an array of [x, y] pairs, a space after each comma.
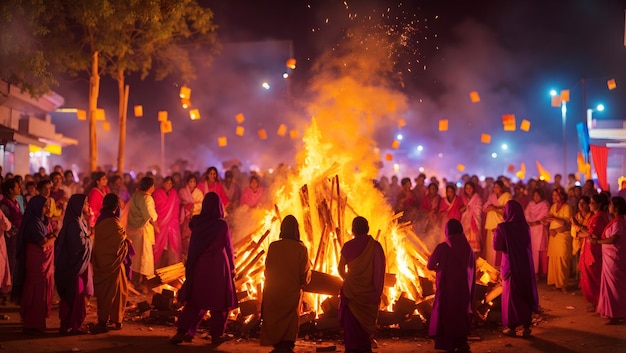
{"points": [[74, 208], [454, 234], [514, 212], [289, 228], [212, 207]]}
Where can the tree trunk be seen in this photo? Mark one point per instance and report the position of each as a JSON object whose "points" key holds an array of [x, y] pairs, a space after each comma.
{"points": [[123, 109], [94, 89]]}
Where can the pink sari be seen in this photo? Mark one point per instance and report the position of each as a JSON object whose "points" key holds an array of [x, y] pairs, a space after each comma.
{"points": [[612, 299], [36, 301], [538, 233], [168, 238], [590, 263], [471, 220], [251, 198]]}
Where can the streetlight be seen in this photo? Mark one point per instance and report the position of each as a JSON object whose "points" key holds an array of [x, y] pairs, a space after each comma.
{"points": [[599, 108], [563, 103]]}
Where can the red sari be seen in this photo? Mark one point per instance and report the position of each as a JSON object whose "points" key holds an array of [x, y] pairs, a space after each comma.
{"points": [[168, 238], [590, 263]]}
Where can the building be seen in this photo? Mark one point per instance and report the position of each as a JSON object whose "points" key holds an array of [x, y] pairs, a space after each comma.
{"points": [[27, 135], [611, 134]]}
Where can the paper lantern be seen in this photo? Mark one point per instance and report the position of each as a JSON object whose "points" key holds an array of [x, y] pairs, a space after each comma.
{"points": [[611, 84], [485, 138], [81, 114], [239, 118], [443, 125], [474, 97], [510, 168], [239, 130], [460, 167], [162, 116], [395, 144], [221, 141], [262, 134], [525, 125], [294, 134], [138, 111], [166, 126], [106, 125], [185, 92], [194, 114], [401, 123], [556, 101], [388, 157], [185, 102], [508, 121], [100, 115], [291, 63], [282, 130], [565, 95]]}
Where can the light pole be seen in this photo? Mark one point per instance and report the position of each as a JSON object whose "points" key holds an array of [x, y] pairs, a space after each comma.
{"points": [[599, 108], [553, 93]]}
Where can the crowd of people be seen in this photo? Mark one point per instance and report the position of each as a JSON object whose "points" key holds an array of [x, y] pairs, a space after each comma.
{"points": [[98, 237]]}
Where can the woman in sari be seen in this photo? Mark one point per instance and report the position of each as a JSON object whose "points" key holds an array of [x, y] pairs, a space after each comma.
{"points": [[287, 270], [579, 223], [96, 195], [111, 265], [209, 272], [34, 283], [611, 302], [472, 215], [191, 204], [212, 183], [560, 243], [167, 242], [72, 254], [494, 209], [429, 209], [536, 211], [11, 208], [590, 264], [453, 261], [253, 194], [519, 288], [450, 206]]}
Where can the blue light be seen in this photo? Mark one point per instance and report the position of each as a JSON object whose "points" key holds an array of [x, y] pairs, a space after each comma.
{"points": [[553, 92], [505, 146], [600, 107], [494, 155], [399, 137]]}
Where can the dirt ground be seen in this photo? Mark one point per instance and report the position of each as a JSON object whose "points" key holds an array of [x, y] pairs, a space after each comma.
{"points": [[564, 327]]}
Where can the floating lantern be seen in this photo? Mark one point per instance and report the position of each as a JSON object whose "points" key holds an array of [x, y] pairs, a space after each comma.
{"points": [[194, 114], [138, 109], [185, 92], [474, 97], [291, 64], [443, 125], [485, 138], [282, 130], [239, 118], [239, 130], [525, 125], [166, 126], [611, 84], [221, 141], [262, 134]]}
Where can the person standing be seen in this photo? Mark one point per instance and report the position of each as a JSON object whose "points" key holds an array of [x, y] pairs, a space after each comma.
{"points": [[590, 263], [212, 183], [99, 188], [287, 270], [72, 255], [362, 267], [519, 288], [611, 302], [11, 209], [494, 209], [209, 273], [191, 203], [142, 224], [560, 243], [167, 242], [111, 253], [472, 215], [454, 262], [536, 211], [34, 277]]}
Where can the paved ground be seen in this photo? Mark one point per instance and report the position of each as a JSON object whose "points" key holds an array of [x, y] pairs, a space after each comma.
{"points": [[564, 327]]}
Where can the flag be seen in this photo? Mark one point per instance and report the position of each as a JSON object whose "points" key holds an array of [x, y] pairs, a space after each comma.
{"points": [[600, 157], [543, 173]]}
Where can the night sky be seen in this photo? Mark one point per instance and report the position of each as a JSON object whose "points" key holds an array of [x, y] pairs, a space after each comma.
{"points": [[511, 52]]}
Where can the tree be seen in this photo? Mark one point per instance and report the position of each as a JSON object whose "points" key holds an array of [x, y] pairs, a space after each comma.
{"points": [[71, 36]]}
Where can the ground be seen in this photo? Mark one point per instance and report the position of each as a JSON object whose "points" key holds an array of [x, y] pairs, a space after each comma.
{"points": [[564, 327]]}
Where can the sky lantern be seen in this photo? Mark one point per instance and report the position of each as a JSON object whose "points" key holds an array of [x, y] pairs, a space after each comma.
{"points": [[611, 84], [565, 95], [106, 125], [221, 141], [239, 130], [185, 102], [282, 130], [291, 63], [474, 97], [185, 92], [556, 101], [508, 121], [401, 123], [485, 138], [138, 110], [460, 167], [166, 126], [395, 144], [262, 134], [162, 116], [388, 157], [239, 118], [294, 134], [510, 168], [194, 114], [443, 125], [100, 115], [525, 125], [81, 114]]}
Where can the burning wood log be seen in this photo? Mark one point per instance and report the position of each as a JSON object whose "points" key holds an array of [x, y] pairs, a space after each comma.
{"points": [[249, 265], [253, 248], [306, 317], [167, 274], [306, 212], [323, 283], [250, 307], [404, 306], [390, 280], [330, 306]]}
